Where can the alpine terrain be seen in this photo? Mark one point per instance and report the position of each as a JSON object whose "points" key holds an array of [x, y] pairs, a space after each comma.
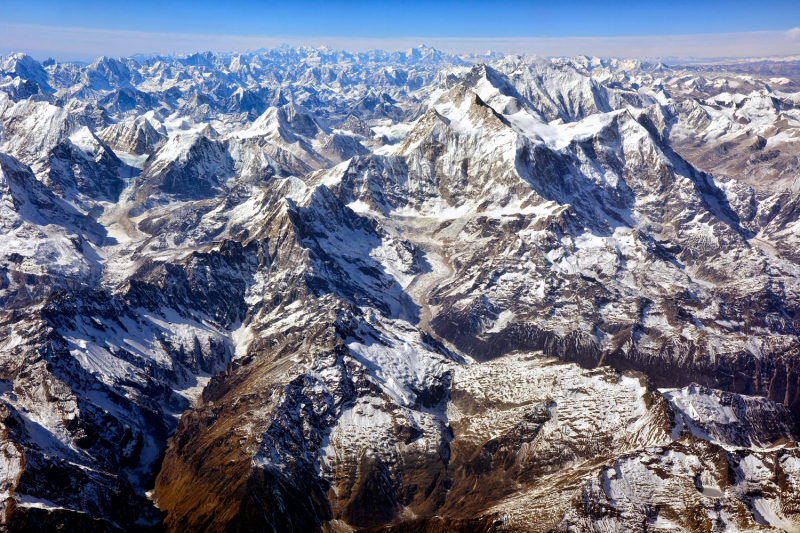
{"points": [[303, 290]]}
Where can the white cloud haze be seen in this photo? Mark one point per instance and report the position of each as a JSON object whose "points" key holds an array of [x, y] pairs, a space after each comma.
{"points": [[85, 44]]}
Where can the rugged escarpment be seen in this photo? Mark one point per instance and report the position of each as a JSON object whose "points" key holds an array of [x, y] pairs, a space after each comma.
{"points": [[605, 247]]}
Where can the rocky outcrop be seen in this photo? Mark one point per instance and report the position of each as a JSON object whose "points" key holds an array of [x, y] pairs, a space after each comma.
{"points": [[137, 137]]}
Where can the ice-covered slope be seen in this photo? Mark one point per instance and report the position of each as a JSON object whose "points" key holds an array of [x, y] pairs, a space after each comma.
{"points": [[590, 218], [46, 245]]}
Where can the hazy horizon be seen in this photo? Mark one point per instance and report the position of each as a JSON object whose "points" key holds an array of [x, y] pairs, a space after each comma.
{"points": [[83, 30]]}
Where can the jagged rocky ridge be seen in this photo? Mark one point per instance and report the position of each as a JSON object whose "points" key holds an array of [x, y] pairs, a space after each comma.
{"points": [[304, 290]]}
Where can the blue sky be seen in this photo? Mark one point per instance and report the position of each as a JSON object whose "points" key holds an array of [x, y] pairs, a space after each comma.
{"points": [[79, 29]]}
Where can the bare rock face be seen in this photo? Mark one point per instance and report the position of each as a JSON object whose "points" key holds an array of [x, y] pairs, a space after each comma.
{"points": [[304, 290], [189, 166], [357, 126], [133, 137]]}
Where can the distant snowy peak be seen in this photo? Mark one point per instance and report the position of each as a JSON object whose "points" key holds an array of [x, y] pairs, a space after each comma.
{"points": [[134, 137], [322, 56], [26, 68], [188, 166], [64, 153], [106, 73], [32, 129], [288, 121], [487, 160], [293, 129]]}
